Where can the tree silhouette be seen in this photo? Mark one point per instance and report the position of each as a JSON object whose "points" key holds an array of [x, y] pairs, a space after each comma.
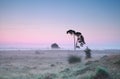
{"points": [[77, 34], [80, 38], [72, 32]]}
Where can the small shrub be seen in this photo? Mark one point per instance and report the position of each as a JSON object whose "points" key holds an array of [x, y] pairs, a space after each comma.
{"points": [[55, 46], [101, 73], [73, 59], [52, 65], [87, 52]]}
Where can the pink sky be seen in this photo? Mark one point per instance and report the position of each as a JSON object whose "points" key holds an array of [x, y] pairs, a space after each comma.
{"points": [[50, 35], [46, 22]]}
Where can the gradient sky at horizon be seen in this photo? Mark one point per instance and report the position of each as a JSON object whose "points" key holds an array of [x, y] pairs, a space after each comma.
{"points": [[46, 21]]}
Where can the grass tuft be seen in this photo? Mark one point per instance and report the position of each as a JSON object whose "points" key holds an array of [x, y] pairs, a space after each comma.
{"points": [[101, 73]]}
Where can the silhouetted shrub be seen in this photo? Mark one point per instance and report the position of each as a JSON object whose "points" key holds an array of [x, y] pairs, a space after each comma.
{"points": [[74, 59], [87, 52], [101, 73], [55, 46]]}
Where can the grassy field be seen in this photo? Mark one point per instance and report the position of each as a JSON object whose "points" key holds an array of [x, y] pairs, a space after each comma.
{"points": [[53, 64]]}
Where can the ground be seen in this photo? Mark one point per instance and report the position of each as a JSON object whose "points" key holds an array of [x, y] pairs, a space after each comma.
{"points": [[53, 64]]}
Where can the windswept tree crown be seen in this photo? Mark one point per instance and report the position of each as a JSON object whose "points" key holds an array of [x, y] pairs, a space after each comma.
{"points": [[71, 32], [77, 34]]}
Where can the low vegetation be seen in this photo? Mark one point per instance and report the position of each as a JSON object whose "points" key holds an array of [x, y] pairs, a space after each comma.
{"points": [[87, 52], [107, 67], [117, 62], [74, 59], [101, 73]]}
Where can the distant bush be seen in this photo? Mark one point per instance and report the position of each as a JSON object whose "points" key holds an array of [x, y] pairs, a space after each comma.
{"points": [[101, 73], [87, 52], [74, 59], [55, 46]]}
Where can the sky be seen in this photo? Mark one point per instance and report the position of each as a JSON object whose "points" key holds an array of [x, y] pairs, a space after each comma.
{"points": [[43, 22]]}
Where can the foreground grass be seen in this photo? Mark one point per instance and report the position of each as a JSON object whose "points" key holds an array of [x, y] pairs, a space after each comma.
{"points": [[105, 68]]}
